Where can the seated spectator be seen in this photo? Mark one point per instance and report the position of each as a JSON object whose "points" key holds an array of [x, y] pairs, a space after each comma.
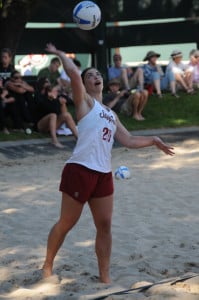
{"points": [[6, 67], [182, 72], [51, 72], [6, 107], [194, 65], [128, 79], [52, 113], [41, 85], [155, 77], [122, 101], [23, 94]]}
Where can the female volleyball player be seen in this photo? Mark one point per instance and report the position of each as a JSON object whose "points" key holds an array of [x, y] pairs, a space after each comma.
{"points": [[87, 175]]}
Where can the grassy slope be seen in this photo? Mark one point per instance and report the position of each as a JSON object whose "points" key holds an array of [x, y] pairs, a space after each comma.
{"points": [[167, 112], [164, 113]]}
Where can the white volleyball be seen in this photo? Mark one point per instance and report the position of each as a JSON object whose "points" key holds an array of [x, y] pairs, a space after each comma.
{"points": [[122, 172], [87, 15]]}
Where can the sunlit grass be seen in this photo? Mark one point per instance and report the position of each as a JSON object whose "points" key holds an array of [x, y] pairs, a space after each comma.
{"points": [[167, 112]]}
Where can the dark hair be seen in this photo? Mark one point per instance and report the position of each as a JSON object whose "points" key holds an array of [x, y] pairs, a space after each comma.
{"points": [[6, 50], [41, 82], [55, 60], [48, 89], [85, 71], [77, 63]]}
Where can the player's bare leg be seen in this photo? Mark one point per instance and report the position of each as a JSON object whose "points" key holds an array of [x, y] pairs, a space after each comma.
{"points": [[101, 209], [70, 213]]}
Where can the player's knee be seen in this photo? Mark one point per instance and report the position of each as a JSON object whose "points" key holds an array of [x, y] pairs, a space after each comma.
{"points": [[65, 226]]}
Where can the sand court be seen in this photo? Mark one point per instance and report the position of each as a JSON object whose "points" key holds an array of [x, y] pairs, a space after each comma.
{"points": [[155, 227]]}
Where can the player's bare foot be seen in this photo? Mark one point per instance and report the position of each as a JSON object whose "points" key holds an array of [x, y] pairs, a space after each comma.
{"points": [[46, 270], [105, 279]]}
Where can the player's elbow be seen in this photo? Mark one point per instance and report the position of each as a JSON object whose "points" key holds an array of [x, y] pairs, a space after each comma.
{"points": [[126, 141]]}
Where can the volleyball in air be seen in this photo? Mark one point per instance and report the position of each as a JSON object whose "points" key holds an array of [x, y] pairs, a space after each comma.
{"points": [[87, 15], [122, 172]]}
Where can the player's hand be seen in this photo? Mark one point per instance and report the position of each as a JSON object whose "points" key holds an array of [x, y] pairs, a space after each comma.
{"points": [[167, 149], [51, 48]]}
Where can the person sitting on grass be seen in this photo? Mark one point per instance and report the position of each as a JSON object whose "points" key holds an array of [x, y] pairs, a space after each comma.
{"points": [[40, 89], [122, 101], [6, 67], [128, 79], [52, 71], [154, 75], [23, 94], [6, 107], [52, 113], [183, 73], [194, 66]]}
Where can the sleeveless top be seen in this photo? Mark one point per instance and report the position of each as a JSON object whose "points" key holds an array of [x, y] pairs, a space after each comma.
{"points": [[95, 139]]}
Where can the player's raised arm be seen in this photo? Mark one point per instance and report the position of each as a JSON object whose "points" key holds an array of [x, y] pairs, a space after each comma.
{"points": [[71, 69]]}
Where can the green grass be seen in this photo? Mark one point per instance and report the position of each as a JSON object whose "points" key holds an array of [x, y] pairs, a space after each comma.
{"points": [[167, 113], [159, 113], [15, 136]]}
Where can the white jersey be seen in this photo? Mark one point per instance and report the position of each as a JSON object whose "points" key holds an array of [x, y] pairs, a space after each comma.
{"points": [[95, 139]]}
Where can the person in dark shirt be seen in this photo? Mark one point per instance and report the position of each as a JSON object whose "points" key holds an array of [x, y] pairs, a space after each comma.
{"points": [[52, 71], [6, 107], [40, 88], [6, 67], [23, 94], [52, 113]]}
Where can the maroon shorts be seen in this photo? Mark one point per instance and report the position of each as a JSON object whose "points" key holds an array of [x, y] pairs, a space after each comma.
{"points": [[82, 183]]}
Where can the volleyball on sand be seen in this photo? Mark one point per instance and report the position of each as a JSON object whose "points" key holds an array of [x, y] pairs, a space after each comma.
{"points": [[122, 172], [87, 15]]}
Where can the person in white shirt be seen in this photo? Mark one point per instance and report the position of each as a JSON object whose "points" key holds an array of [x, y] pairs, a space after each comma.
{"points": [[182, 72], [194, 64], [87, 175]]}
